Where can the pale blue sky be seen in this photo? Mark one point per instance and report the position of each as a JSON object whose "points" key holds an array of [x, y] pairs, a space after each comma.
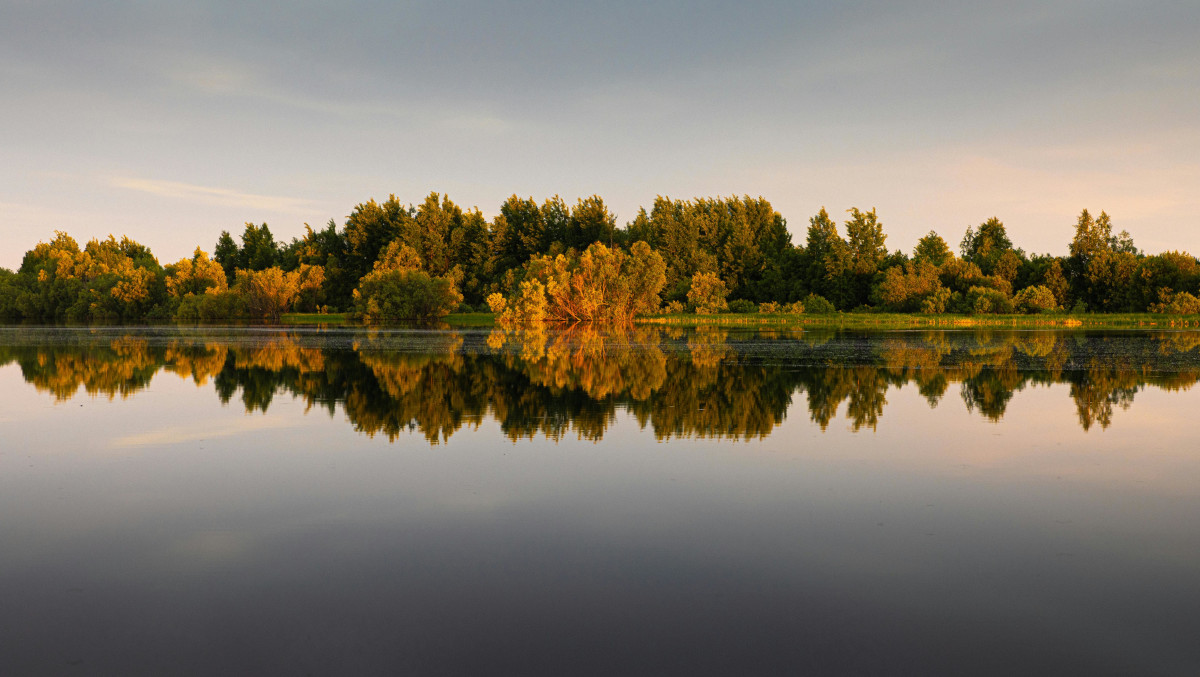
{"points": [[170, 124]]}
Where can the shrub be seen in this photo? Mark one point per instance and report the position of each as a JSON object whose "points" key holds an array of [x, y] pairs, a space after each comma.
{"points": [[1181, 303], [1035, 299], [674, 308], [795, 308], [815, 304], [212, 305], [269, 292], [768, 307], [936, 302], [743, 306], [985, 300], [707, 293], [496, 302], [405, 295], [528, 306]]}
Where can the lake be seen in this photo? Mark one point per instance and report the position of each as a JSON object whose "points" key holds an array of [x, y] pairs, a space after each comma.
{"points": [[199, 500]]}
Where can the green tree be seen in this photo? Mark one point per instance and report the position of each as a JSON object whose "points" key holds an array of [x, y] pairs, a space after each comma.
{"points": [[370, 227], [225, 252], [828, 262], [932, 249], [986, 245], [398, 288], [258, 251], [518, 233], [591, 222]]}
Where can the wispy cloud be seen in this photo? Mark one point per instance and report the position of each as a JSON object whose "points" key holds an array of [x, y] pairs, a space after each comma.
{"points": [[207, 430], [224, 197]]}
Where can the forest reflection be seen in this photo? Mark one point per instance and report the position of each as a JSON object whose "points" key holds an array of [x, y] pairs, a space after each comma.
{"points": [[708, 382]]}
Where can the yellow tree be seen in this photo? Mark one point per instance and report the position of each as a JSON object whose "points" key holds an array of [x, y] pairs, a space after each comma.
{"points": [[196, 275], [269, 292], [707, 293]]}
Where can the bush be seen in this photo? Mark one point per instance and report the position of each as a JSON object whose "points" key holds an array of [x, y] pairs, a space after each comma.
{"points": [[743, 306], [707, 293], [405, 295], [496, 302], [985, 300], [674, 308], [768, 307], [817, 305], [1181, 303], [936, 302], [1035, 299], [528, 306], [795, 308], [212, 305]]}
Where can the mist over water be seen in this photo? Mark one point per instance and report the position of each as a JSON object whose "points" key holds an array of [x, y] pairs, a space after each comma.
{"points": [[196, 500]]}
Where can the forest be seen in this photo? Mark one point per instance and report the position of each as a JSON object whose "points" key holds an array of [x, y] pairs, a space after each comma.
{"points": [[569, 263]]}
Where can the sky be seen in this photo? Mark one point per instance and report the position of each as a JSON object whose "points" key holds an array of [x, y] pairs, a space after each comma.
{"points": [[170, 122]]}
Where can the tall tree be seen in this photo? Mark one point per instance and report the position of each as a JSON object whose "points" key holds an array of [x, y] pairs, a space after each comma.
{"points": [[828, 261], [518, 233], [591, 222], [226, 253], [258, 251], [370, 227], [865, 240], [986, 245], [931, 249]]}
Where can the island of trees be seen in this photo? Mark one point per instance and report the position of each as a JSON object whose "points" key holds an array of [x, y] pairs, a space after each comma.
{"points": [[557, 262]]}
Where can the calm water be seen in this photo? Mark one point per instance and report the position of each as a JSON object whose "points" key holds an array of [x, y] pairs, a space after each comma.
{"points": [[252, 500]]}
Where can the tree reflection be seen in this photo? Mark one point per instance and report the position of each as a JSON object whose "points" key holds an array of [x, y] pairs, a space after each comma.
{"points": [[703, 383]]}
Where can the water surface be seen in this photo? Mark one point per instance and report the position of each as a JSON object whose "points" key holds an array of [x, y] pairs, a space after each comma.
{"points": [[199, 500]]}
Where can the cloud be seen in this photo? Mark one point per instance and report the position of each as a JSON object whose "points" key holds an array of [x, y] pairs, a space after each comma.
{"points": [[207, 430], [224, 197]]}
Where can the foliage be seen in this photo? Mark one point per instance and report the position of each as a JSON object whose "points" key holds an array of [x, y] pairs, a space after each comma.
{"points": [[905, 289], [601, 284], [528, 305], [227, 304], [932, 249], [986, 245], [405, 295], [1179, 303], [106, 280], [817, 305], [768, 307], [739, 241], [268, 293], [195, 275], [1035, 299], [398, 288], [707, 293], [496, 302], [743, 306], [984, 300]]}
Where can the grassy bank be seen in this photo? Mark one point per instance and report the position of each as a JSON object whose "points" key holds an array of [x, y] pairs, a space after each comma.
{"points": [[845, 320], [904, 321], [314, 318]]}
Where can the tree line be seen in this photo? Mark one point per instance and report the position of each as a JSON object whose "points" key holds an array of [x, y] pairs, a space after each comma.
{"points": [[571, 262]]}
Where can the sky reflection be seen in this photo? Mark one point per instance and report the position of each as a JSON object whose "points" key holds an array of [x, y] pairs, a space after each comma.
{"points": [[938, 541]]}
